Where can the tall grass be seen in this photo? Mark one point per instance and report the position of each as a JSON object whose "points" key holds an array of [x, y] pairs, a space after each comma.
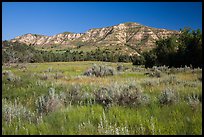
{"points": [[40, 100]]}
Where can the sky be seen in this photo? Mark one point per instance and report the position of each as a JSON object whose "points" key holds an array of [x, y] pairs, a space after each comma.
{"points": [[51, 18]]}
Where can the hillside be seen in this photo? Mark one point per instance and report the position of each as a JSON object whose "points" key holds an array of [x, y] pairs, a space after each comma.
{"points": [[129, 38]]}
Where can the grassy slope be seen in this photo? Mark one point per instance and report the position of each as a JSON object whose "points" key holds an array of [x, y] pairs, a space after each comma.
{"points": [[178, 118], [119, 49]]}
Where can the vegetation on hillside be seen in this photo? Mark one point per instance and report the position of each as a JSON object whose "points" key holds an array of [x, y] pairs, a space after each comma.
{"points": [[14, 52], [175, 51]]}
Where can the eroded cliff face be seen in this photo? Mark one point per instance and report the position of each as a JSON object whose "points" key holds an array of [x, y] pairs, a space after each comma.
{"points": [[34, 39], [132, 34]]}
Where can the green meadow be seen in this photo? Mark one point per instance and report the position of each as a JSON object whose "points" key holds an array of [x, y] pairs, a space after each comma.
{"points": [[57, 98]]}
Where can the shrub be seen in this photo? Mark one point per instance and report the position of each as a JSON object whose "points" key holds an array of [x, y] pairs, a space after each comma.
{"points": [[190, 84], [50, 69], [195, 96], [133, 95], [104, 96], [138, 69], [11, 111], [157, 73], [200, 78], [44, 76], [58, 76], [130, 95], [49, 103], [120, 68], [150, 82], [5, 73], [10, 76], [138, 60], [173, 70], [163, 68], [75, 93], [168, 96], [154, 73], [194, 101], [100, 71], [170, 79]]}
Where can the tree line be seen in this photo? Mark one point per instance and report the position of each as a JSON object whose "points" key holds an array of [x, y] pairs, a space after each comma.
{"points": [[14, 52], [175, 51]]}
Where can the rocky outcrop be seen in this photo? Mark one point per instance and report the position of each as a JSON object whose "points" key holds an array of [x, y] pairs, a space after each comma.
{"points": [[132, 34], [58, 39]]}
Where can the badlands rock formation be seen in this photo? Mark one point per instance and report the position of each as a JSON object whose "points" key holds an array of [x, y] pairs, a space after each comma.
{"points": [[130, 34]]}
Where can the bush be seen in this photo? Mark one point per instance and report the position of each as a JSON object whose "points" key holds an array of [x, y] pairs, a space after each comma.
{"points": [[58, 76], [150, 82], [44, 76], [131, 95], [10, 76], [128, 95], [168, 96], [200, 78], [154, 73], [194, 101], [49, 103], [170, 79], [100, 71], [75, 94], [138, 60], [195, 96], [163, 68], [104, 96], [11, 111], [138, 69], [5, 73], [120, 68]]}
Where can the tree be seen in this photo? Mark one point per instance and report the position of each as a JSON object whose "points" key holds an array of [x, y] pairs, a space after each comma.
{"points": [[190, 47], [176, 51], [138, 60], [150, 59], [165, 51]]}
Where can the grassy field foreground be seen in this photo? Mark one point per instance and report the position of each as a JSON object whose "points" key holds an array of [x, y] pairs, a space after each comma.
{"points": [[57, 98]]}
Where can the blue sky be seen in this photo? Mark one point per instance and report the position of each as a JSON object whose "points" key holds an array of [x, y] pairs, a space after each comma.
{"points": [[50, 18]]}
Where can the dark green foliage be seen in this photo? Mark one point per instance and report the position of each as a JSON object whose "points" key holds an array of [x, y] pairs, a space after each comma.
{"points": [[165, 51], [150, 59], [190, 48], [138, 60], [175, 51], [14, 52]]}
